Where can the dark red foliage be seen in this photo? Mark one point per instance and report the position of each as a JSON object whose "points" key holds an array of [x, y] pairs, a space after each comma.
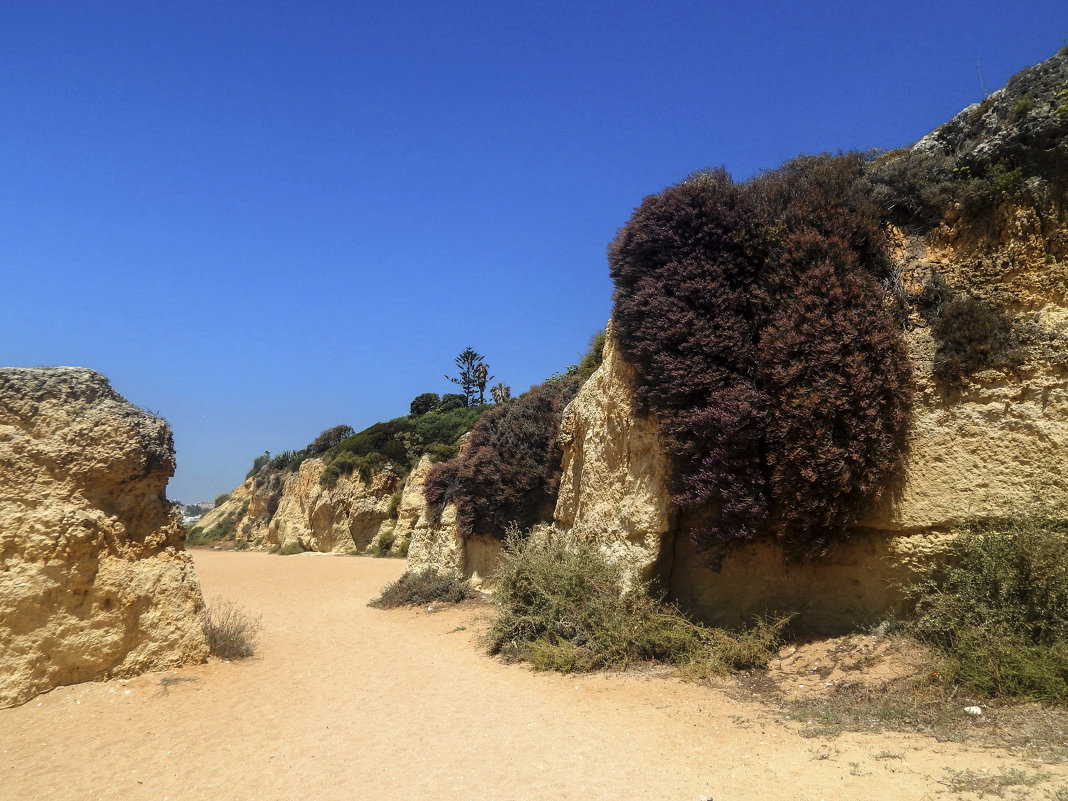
{"points": [[756, 317], [439, 486], [510, 470]]}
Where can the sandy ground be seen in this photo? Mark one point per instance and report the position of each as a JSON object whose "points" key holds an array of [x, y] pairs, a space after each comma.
{"points": [[346, 702]]}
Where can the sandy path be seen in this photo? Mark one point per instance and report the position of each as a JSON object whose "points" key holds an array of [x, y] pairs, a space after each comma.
{"points": [[347, 702]]}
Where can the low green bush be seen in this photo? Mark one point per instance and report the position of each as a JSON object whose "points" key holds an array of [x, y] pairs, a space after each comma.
{"points": [[384, 545], [999, 614], [564, 606], [422, 587], [399, 442], [198, 535]]}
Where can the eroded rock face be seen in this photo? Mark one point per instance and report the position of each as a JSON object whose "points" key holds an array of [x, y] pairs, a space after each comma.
{"points": [[343, 518], [613, 488], [983, 447], [94, 580], [279, 508]]}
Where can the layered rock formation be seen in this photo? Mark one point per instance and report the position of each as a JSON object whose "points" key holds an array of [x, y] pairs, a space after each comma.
{"points": [[94, 580], [296, 511]]}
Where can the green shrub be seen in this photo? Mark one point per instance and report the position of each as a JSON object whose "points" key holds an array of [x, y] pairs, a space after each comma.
{"points": [[230, 631], [451, 401], [328, 439], [287, 460], [593, 357], [291, 548], [400, 442], [258, 464], [970, 334], [565, 607], [221, 499], [422, 587], [221, 530], [426, 402], [999, 614], [1023, 106], [383, 545]]}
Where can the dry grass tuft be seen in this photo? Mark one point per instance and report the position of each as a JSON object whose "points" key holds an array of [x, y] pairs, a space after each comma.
{"points": [[230, 630]]}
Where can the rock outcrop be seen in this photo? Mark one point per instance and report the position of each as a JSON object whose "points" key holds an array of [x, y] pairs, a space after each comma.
{"points": [[989, 432], [613, 488], [295, 511], [986, 438], [94, 580]]}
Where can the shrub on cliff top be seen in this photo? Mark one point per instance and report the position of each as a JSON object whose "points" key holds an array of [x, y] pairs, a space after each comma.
{"points": [[399, 442], [754, 314], [510, 469]]}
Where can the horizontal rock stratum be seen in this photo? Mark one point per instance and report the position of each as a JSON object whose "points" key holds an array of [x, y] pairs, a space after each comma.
{"points": [[94, 579]]}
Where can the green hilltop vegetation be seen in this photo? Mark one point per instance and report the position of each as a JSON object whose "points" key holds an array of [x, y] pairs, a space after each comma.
{"points": [[432, 428]]}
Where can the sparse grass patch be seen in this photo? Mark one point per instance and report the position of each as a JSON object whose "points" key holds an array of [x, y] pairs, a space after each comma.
{"points": [[169, 681], [230, 630], [969, 781], [422, 587], [913, 705], [564, 606]]}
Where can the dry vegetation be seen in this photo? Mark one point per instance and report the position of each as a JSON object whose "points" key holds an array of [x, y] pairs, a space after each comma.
{"points": [[230, 630]]}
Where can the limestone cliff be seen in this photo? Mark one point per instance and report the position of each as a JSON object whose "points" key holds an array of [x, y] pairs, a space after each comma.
{"points": [[982, 297], [981, 289], [613, 486], [94, 580], [296, 511]]}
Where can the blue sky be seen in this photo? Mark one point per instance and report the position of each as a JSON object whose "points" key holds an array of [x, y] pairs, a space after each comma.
{"points": [[265, 219]]}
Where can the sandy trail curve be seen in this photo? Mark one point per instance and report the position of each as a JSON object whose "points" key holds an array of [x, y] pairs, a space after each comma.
{"points": [[346, 702]]}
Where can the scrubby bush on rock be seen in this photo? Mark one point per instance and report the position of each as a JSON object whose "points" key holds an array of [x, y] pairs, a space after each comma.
{"points": [[510, 470], [755, 315]]}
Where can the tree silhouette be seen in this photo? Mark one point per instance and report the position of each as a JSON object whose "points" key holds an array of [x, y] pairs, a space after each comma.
{"points": [[473, 374]]}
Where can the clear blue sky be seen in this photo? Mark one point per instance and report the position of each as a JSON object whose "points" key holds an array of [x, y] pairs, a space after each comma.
{"points": [[265, 219]]}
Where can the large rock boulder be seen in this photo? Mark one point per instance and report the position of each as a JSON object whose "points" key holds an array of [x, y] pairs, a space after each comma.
{"points": [[94, 580]]}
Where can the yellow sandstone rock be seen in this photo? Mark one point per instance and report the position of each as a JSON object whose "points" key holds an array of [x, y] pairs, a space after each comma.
{"points": [[94, 580]]}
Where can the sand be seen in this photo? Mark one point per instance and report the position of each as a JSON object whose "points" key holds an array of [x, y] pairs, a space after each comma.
{"points": [[346, 702]]}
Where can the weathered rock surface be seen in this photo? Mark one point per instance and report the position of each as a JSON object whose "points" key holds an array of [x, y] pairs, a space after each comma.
{"points": [[94, 581], [279, 508], [613, 486]]}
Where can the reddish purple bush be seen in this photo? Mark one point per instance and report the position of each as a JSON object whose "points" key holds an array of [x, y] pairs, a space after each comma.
{"points": [[756, 317], [510, 470]]}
